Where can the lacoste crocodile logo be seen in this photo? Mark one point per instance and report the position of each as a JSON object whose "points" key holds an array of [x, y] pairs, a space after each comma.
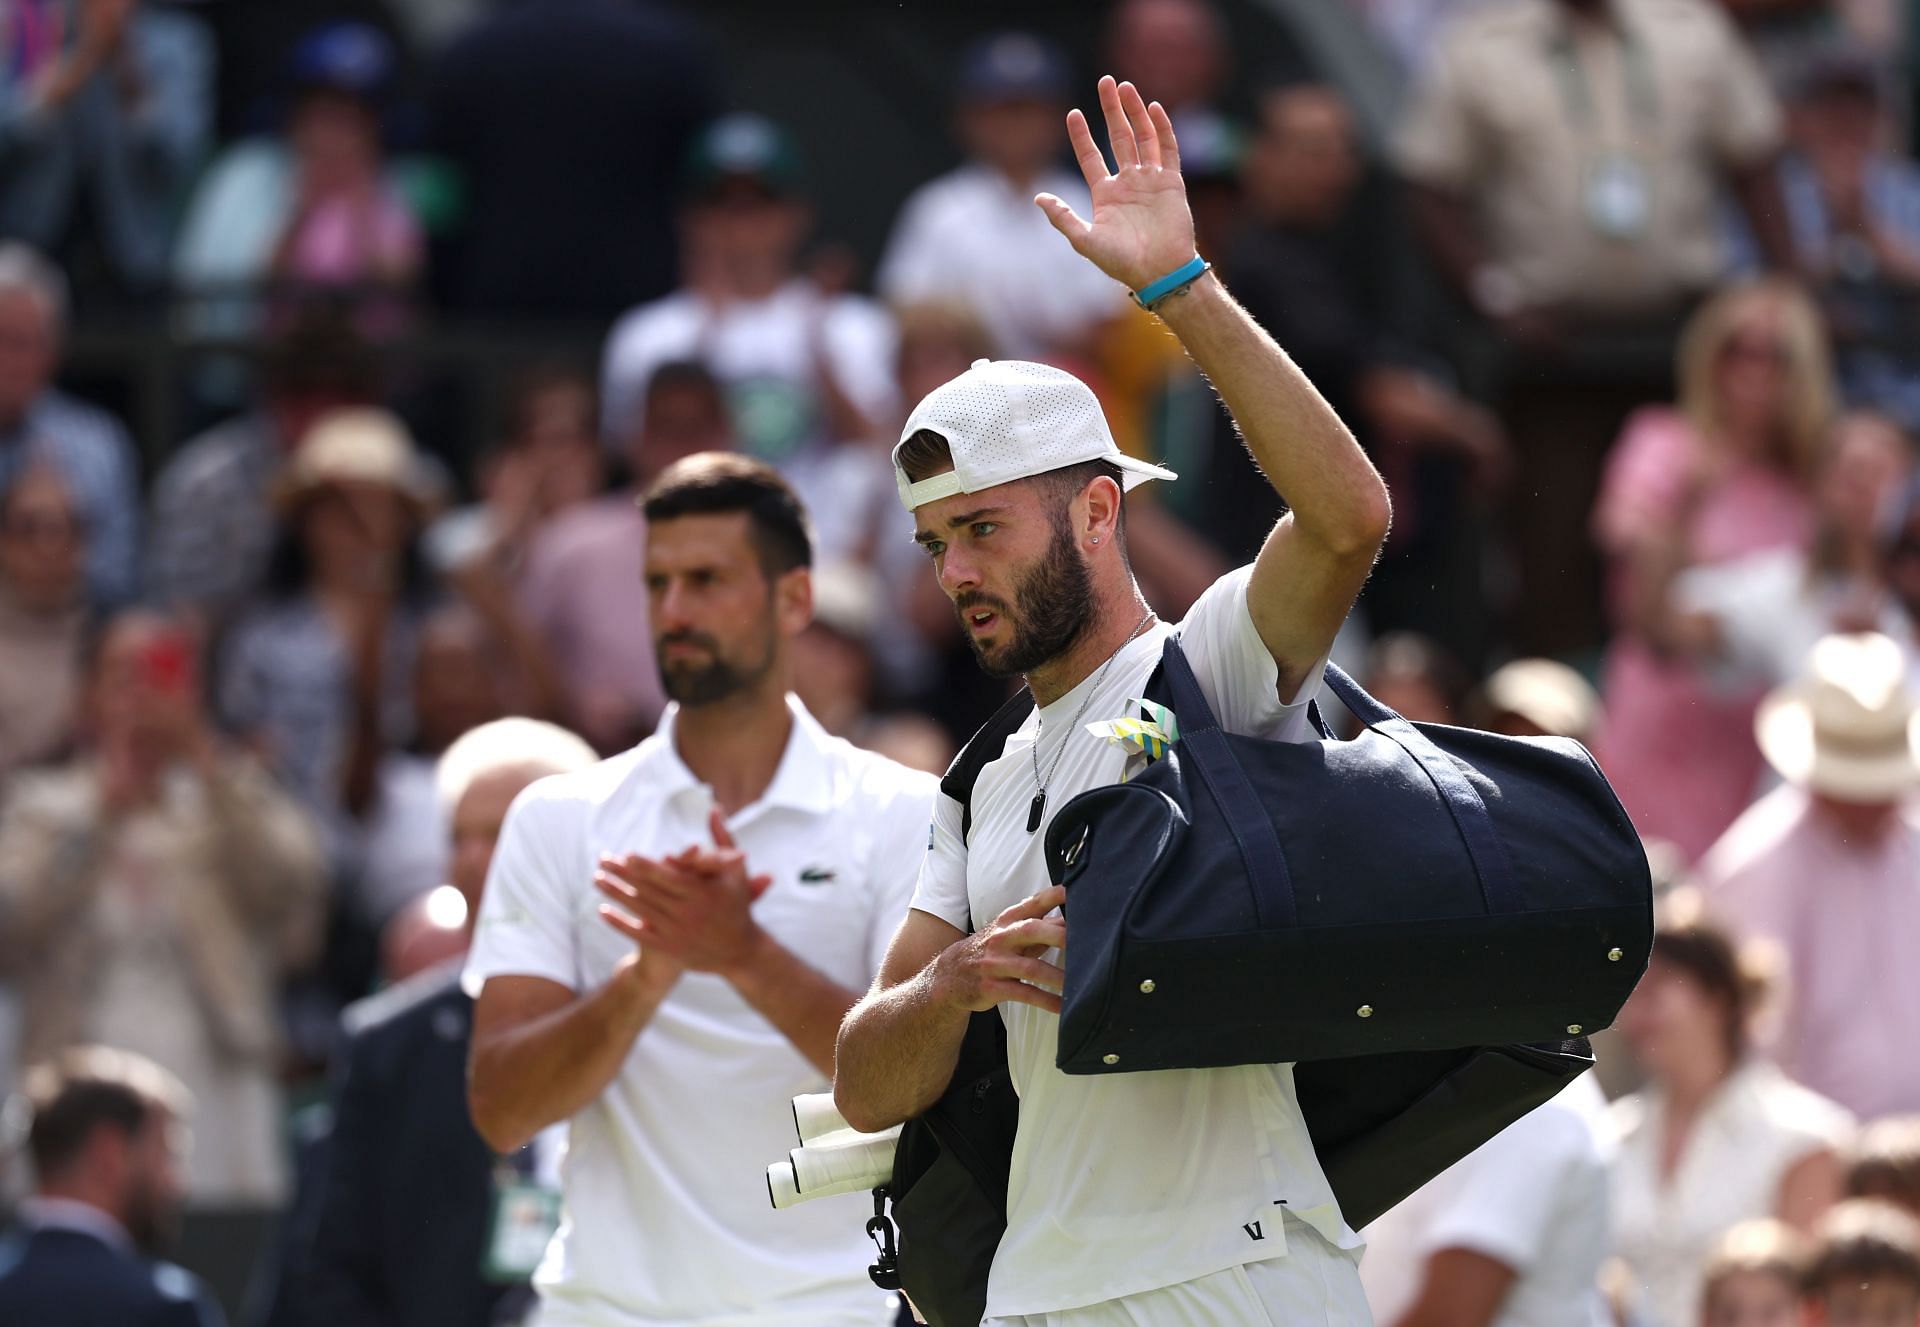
{"points": [[818, 875]]}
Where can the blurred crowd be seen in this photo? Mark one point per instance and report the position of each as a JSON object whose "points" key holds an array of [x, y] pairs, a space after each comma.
{"points": [[1623, 305]]}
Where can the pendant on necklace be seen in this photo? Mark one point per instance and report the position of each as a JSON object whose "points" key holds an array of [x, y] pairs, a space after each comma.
{"points": [[1036, 809]]}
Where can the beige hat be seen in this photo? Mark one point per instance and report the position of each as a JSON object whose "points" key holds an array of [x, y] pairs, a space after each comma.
{"points": [[359, 444], [1851, 727], [1549, 695]]}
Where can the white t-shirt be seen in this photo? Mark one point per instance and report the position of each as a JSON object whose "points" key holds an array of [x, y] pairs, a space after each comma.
{"points": [[763, 354], [1533, 1197], [1123, 1183], [667, 1218], [972, 237]]}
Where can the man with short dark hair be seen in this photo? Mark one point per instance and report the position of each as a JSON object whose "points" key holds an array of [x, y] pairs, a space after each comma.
{"points": [[672, 1024], [107, 1138], [1166, 1198]]}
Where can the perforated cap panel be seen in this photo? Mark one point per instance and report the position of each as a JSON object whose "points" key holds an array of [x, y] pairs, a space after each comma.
{"points": [[1010, 419]]}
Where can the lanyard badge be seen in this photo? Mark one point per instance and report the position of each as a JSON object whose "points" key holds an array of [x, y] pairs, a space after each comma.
{"points": [[525, 1217]]}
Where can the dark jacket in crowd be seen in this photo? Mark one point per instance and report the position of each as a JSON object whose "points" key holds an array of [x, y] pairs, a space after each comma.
{"points": [[54, 1275], [569, 122], [407, 1188]]}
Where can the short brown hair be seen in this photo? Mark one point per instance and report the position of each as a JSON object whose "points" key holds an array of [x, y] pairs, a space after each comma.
{"points": [[92, 1087], [1861, 1239], [1884, 1162], [718, 483], [925, 454], [1739, 977], [1767, 1248]]}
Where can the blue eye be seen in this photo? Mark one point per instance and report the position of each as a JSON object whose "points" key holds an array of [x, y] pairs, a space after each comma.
{"points": [[981, 529], [934, 547]]}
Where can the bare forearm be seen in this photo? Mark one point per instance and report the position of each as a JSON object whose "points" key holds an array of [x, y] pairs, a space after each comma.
{"points": [[896, 1055], [1306, 452], [805, 1006], [525, 1078]]}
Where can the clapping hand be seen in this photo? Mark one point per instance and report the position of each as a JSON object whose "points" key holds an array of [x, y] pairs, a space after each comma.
{"points": [[1141, 227], [695, 906]]}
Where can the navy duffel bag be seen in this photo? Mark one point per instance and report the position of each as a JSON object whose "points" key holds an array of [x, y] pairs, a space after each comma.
{"points": [[1419, 888]]}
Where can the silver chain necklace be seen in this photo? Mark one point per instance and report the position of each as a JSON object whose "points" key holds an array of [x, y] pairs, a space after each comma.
{"points": [[1038, 807]]}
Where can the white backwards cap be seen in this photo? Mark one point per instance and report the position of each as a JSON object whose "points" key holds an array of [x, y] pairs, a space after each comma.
{"points": [[1010, 419]]}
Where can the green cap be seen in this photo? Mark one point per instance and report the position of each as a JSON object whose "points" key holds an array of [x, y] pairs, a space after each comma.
{"points": [[743, 146]]}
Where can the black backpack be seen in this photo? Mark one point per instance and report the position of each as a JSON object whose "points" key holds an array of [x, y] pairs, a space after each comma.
{"points": [[1382, 1125]]}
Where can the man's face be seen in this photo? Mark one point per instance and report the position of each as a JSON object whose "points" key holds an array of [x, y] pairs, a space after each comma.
{"points": [[678, 421], [1838, 127], [143, 677], [1304, 166], [1019, 136], [42, 544], [1880, 1301], [1171, 49], [477, 818], [154, 1190], [28, 346], [743, 223], [1007, 558], [717, 621]]}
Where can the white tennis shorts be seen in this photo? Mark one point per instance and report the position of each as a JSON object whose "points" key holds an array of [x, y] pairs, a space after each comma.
{"points": [[1313, 1285]]}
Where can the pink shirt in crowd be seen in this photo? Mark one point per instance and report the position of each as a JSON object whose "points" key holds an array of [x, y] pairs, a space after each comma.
{"points": [[584, 591], [1845, 916], [1681, 755]]}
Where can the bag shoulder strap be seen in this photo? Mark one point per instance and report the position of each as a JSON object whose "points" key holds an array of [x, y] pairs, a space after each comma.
{"points": [[982, 749]]}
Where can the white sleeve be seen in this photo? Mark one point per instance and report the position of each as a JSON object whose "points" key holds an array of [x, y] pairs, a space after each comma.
{"points": [[909, 270], [1502, 1199], [942, 887], [534, 885], [1236, 671], [861, 340], [899, 847]]}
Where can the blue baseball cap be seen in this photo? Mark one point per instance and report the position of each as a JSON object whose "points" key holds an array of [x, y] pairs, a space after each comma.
{"points": [[1014, 66], [355, 58]]}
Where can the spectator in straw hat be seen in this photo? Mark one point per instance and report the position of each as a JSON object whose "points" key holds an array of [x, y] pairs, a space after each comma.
{"points": [[1828, 867], [1540, 698], [319, 673]]}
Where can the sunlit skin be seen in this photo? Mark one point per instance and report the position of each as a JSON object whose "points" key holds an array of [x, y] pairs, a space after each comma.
{"points": [[713, 608], [1752, 1299], [985, 544]]}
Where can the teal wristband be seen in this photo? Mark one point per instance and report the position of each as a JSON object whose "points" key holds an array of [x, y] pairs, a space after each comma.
{"points": [[1173, 282]]}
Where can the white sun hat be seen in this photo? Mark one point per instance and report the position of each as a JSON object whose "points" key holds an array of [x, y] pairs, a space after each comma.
{"points": [[1008, 419], [1851, 727]]}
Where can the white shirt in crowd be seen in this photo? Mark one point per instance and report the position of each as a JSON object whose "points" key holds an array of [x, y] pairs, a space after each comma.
{"points": [[1533, 1198], [763, 353], [1745, 1139], [1122, 1183], [666, 1215], [972, 238]]}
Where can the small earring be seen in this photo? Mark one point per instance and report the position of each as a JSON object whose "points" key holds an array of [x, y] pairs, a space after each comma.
{"points": [[1096, 539]]}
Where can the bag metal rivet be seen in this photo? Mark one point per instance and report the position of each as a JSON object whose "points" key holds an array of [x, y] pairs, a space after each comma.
{"points": [[1573, 1029], [1146, 987], [1615, 955], [1109, 1058], [1365, 1011]]}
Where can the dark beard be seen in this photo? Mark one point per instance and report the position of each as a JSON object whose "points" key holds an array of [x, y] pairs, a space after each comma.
{"points": [[696, 684], [151, 1221], [1053, 606]]}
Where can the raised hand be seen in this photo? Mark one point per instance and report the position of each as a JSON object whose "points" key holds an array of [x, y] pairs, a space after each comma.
{"points": [[1141, 227], [1002, 963]]}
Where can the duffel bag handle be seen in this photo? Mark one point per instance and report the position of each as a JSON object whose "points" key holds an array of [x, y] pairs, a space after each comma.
{"points": [[1208, 752], [1489, 855], [1205, 749]]}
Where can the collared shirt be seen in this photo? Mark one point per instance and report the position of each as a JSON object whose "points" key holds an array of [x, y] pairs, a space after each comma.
{"points": [[92, 454], [1746, 1138], [974, 238], [666, 1212], [1125, 1183], [45, 1213], [1525, 109], [1844, 915]]}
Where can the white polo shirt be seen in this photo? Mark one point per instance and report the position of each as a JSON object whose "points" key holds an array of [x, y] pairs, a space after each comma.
{"points": [[667, 1218], [1124, 1183]]}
